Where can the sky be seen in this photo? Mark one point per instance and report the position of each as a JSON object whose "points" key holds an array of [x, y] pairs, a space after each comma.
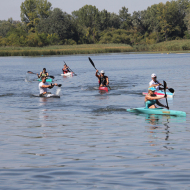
{"points": [[11, 8]]}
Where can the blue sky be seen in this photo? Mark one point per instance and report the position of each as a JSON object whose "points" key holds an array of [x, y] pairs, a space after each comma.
{"points": [[11, 8]]}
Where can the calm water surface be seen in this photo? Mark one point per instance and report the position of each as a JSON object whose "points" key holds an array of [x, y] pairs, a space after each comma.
{"points": [[85, 139]]}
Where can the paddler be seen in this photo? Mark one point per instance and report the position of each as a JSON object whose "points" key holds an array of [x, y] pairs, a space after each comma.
{"points": [[44, 85], [102, 79], [43, 73], [154, 82], [151, 99], [65, 69]]}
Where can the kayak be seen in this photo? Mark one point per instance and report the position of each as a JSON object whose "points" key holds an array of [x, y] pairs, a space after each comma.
{"points": [[158, 111], [47, 80], [46, 95], [69, 74], [161, 93], [103, 88]]}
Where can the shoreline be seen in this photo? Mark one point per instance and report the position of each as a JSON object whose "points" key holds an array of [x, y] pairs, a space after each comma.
{"points": [[160, 48]]}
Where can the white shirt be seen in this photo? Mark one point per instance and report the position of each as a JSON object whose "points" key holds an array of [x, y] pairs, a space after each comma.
{"points": [[153, 83], [42, 90]]}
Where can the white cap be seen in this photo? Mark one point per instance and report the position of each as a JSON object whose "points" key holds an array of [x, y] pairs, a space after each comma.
{"points": [[102, 71], [153, 75]]}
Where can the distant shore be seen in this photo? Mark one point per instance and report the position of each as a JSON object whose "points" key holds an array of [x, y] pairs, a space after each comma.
{"points": [[176, 46]]}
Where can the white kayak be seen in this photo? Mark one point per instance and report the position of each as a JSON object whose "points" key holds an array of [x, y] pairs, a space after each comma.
{"points": [[69, 74], [46, 95]]}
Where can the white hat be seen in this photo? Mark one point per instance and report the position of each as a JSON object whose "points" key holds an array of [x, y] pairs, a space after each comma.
{"points": [[102, 71], [153, 75]]}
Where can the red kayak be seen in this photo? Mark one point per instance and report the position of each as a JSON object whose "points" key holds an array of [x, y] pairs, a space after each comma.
{"points": [[103, 88]]}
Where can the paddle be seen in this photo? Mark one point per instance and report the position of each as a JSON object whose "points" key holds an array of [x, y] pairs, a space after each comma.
{"points": [[165, 85], [70, 69], [170, 89], [95, 67], [30, 72], [59, 85]]}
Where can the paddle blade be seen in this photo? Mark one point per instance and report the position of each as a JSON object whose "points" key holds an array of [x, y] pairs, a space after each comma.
{"points": [[171, 90], [51, 77], [92, 62], [59, 85], [30, 72]]}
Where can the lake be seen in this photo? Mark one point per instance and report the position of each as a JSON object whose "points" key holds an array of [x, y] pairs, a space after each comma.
{"points": [[86, 139]]}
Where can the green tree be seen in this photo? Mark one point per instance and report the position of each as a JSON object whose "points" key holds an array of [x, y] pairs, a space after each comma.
{"points": [[125, 18], [34, 10], [59, 23]]}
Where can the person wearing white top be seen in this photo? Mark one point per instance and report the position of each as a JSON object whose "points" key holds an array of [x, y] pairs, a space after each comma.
{"points": [[44, 85], [154, 82]]}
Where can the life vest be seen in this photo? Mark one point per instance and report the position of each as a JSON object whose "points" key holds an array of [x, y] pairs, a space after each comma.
{"points": [[65, 71], [102, 81]]}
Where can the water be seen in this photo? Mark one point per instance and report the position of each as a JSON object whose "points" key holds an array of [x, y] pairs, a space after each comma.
{"points": [[85, 139]]}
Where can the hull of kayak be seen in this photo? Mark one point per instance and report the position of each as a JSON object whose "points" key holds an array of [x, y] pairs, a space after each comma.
{"points": [[103, 88], [161, 94], [157, 111], [46, 96], [47, 80], [69, 74]]}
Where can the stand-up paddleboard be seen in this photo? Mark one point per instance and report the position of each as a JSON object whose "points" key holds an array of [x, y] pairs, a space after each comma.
{"points": [[158, 111], [69, 74], [161, 93]]}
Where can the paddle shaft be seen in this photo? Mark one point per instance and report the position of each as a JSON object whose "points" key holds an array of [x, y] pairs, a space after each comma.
{"points": [[92, 63], [170, 89], [165, 85]]}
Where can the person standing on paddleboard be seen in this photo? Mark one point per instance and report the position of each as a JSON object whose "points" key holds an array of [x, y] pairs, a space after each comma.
{"points": [[151, 99], [102, 79], [44, 85], [43, 73], [65, 69]]}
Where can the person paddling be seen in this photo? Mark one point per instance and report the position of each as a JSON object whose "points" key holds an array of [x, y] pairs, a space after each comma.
{"points": [[43, 73], [102, 79], [151, 99], [154, 82], [44, 85], [65, 69]]}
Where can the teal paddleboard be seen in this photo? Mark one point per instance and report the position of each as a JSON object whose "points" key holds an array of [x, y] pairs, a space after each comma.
{"points": [[158, 111]]}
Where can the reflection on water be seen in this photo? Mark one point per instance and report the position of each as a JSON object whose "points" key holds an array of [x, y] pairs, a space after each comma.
{"points": [[161, 119]]}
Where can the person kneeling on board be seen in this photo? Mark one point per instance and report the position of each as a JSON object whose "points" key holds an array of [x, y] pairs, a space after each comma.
{"points": [[65, 69], [44, 85], [102, 79], [151, 99], [43, 73], [155, 83]]}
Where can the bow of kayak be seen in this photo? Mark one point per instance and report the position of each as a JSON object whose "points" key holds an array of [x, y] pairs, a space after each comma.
{"points": [[69, 74], [104, 88], [158, 111]]}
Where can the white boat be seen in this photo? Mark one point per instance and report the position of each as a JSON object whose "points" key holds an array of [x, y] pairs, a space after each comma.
{"points": [[69, 74]]}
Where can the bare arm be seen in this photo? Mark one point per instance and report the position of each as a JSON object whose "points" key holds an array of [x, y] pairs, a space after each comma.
{"points": [[96, 74], [107, 81], [159, 104]]}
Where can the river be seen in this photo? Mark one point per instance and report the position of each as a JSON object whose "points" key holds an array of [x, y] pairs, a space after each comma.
{"points": [[86, 139]]}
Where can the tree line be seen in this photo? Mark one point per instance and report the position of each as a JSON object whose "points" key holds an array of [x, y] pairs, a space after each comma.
{"points": [[41, 25]]}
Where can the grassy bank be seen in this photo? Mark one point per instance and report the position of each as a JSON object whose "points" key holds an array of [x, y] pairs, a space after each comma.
{"points": [[65, 50], [171, 46]]}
